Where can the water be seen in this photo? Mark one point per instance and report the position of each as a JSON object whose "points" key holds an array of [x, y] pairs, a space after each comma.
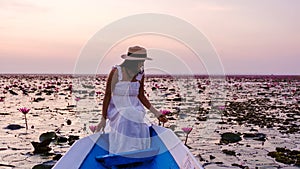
{"points": [[274, 98]]}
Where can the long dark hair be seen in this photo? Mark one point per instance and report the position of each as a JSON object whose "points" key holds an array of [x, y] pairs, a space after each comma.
{"points": [[132, 65]]}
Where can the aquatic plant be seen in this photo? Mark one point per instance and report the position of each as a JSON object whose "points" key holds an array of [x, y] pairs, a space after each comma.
{"points": [[229, 137], [164, 112], [77, 99], [221, 108], [25, 110], [187, 131], [93, 128]]}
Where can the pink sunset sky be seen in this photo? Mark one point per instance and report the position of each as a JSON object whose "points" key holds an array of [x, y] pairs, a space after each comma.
{"points": [[250, 36]]}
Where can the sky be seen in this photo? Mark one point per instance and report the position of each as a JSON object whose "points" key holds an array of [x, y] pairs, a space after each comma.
{"points": [[249, 37]]}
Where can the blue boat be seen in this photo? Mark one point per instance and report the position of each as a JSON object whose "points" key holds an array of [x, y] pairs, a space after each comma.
{"points": [[166, 152]]}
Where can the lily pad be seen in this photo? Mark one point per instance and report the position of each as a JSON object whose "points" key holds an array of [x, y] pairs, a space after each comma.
{"points": [[42, 147], [230, 138], [47, 136], [255, 136], [14, 127], [42, 166], [45, 165]]}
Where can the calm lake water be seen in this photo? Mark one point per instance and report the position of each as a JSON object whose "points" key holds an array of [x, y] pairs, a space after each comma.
{"points": [[266, 106]]}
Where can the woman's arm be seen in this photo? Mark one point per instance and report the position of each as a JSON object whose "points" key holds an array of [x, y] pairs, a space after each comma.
{"points": [[147, 103], [110, 85]]}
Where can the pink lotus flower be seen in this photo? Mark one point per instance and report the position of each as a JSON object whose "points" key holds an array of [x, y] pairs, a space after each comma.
{"points": [[93, 128], [165, 112], [77, 99], [187, 130], [235, 97], [221, 107], [1, 99], [25, 110]]}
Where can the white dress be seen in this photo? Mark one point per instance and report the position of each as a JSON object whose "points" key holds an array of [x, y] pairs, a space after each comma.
{"points": [[128, 130]]}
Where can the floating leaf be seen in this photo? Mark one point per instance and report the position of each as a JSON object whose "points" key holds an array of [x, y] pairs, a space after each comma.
{"points": [[42, 147], [13, 127], [47, 136], [230, 138]]}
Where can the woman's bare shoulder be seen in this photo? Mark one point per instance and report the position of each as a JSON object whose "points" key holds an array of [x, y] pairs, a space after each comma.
{"points": [[114, 73]]}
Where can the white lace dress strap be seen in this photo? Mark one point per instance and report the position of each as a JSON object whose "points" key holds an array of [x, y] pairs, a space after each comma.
{"points": [[120, 77]]}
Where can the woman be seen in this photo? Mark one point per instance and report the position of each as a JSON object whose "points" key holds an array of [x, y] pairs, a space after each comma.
{"points": [[123, 104]]}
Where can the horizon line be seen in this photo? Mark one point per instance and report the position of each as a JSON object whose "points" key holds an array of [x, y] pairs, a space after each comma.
{"points": [[151, 74]]}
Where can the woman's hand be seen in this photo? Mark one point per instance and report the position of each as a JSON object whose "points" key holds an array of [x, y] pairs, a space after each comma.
{"points": [[163, 118], [101, 125]]}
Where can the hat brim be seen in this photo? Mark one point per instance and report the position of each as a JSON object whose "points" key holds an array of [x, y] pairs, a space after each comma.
{"points": [[126, 57]]}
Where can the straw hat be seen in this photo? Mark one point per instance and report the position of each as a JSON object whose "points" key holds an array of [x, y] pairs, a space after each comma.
{"points": [[136, 53]]}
